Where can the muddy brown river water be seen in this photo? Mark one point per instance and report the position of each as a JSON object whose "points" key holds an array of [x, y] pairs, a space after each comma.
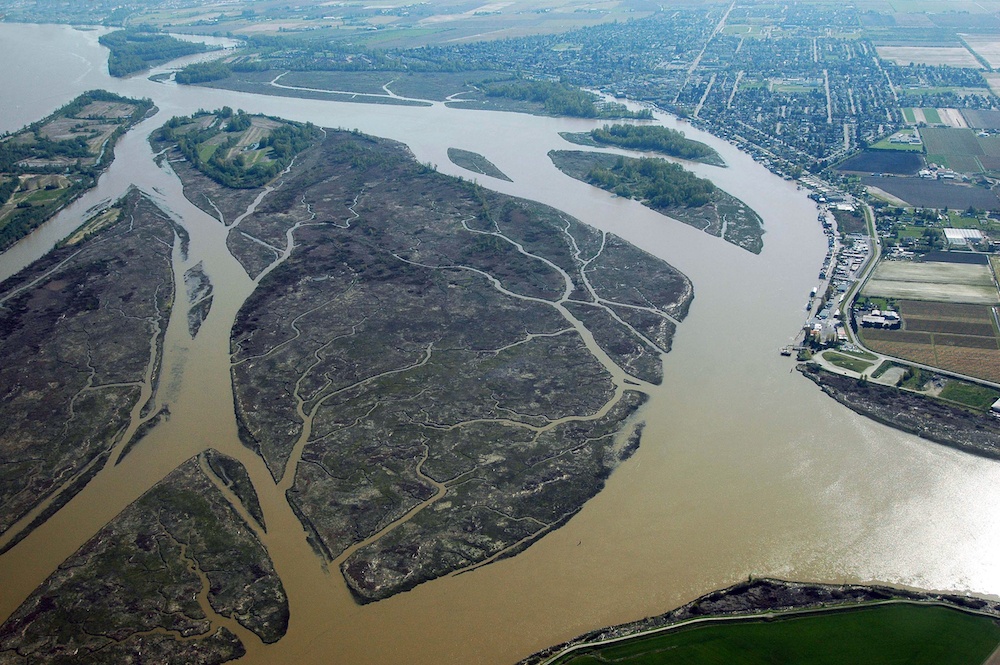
{"points": [[744, 468]]}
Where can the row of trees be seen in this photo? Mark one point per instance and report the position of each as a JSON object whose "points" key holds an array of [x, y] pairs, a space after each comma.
{"points": [[654, 138], [656, 182]]}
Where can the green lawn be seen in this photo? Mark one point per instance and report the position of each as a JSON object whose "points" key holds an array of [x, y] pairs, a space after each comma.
{"points": [[908, 115], [970, 394], [859, 354], [847, 362], [932, 116], [885, 144], [882, 369], [886, 635], [206, 150], [960, 221]]}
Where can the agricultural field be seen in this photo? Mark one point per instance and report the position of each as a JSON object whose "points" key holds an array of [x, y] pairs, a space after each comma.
{"points": [[986, 47], [922, 193], [865, 636], [956, 337], [934, 281], [955, 145], [982, 118], [899, 162], [951, 56]]}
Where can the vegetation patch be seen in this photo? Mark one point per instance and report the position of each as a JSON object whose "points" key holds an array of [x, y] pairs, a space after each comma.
{"points": [[971, 394], [764, 606], [437, 442], [650, 138], [669, 189]]}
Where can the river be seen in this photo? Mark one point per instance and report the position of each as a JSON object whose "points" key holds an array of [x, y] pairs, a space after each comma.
{"points": [[745, 468]]}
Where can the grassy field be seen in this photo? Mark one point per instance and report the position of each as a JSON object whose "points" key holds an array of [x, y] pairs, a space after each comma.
{"points": [[970, 394], [932, 116], [870, 636], [846, 362], [908, 115], [886, 144]]}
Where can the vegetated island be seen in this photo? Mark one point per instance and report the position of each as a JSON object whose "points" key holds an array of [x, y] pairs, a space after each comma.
{"points": [[545, 98], [234, 148], [177, 577], [935, 420], [761, 601], [669, 189], [53, 161], [473, 161], [649, 138], [81, 335], [137, 49], [423, 443]]}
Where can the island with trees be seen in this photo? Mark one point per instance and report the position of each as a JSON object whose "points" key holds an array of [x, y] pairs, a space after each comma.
{"points": [[137, 49], [647, 138], [51, 162], [669, 189]]}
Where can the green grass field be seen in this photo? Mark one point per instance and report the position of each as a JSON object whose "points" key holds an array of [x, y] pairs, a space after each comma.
{"points": [[885, 144], [970, 394], [908, 115], [932, 116], [847, 362], [885, 635]]}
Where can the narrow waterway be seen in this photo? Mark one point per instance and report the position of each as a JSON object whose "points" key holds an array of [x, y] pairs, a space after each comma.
{"points": [[744, 468]]}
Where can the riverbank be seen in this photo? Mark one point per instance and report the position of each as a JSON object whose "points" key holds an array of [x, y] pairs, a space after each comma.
{"points": [[916, 414]]}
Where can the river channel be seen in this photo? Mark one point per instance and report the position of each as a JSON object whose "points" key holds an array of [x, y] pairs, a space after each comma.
{"points": [[745, 468]]}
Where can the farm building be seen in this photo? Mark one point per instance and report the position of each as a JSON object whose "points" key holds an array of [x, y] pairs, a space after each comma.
{"points": [[881, 319], [962, 237]]}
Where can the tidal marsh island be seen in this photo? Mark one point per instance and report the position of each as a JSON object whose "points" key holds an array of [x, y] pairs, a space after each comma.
{"points": [[435, 376]]}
